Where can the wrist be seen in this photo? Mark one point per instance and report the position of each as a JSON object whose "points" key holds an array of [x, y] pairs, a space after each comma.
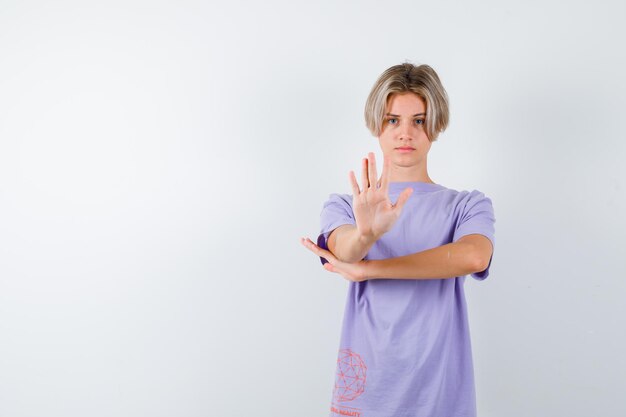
{"points": [[367, 239], [368, 269]]}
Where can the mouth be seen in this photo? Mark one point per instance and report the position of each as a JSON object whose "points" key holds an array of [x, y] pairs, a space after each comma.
{"points": [[405, 148]]}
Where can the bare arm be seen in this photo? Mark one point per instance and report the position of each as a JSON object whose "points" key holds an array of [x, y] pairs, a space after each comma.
{"points": [[468, 255], [348, 245], [374, 213]]}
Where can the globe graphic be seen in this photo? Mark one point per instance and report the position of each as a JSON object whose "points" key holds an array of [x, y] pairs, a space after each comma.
{"points": [[350, 377]]}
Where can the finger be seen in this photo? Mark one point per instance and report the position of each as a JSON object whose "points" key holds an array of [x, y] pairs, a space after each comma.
{"points": [[332, 268], [355, 185], [384, 178], [373, 176], [402, 198], [317, 250], [365, 183]]}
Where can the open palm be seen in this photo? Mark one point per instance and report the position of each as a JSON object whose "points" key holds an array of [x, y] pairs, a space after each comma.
{"points": [[374, 213]]}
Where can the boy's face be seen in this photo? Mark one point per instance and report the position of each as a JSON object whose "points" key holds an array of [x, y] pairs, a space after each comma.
{"points": [[403, 126]]}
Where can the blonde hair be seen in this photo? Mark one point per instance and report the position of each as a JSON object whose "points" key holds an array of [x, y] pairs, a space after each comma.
{"points": [[421, 80]]}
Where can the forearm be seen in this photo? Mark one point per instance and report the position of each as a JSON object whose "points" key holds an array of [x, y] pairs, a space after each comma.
{"points": [[350, 245], [446, 261]]}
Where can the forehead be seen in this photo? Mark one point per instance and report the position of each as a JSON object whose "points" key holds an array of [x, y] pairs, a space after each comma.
{"points": [[405, 102]]}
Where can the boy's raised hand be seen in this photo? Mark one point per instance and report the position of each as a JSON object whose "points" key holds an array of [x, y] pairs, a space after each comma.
{"points": [[374, 213]]}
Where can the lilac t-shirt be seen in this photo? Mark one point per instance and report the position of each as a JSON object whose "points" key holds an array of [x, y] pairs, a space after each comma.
{"points": [[405, 346]]}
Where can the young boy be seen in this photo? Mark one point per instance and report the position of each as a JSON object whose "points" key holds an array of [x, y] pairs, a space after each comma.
{"points": [[406, 245]]}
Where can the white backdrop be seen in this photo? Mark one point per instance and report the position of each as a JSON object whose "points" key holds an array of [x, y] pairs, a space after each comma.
{"points": [[160, 160]]}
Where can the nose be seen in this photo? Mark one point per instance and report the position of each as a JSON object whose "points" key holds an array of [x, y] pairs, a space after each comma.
{"points": [[406, 131]]}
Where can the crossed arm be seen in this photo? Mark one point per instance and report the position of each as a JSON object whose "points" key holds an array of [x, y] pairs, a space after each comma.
{"points": [[469, 254]]}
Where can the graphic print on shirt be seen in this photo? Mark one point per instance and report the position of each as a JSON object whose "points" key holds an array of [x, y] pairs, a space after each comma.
{"points": [[349, 383]]}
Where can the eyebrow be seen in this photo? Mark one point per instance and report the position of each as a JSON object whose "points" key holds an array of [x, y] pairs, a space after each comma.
{"points": [[397, 115]]}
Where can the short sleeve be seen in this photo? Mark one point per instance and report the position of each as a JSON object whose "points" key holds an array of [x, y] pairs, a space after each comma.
{"points": [[477, 217], [337, 211]]}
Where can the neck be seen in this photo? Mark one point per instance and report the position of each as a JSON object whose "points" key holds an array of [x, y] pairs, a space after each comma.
{"points": [[409, 174]]}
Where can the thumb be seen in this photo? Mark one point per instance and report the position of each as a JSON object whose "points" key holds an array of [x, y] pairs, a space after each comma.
{"points": [[403, 198]]}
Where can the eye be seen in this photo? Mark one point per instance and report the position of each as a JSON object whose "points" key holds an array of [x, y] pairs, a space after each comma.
{"points": [[392, 120], [419, 121]]}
